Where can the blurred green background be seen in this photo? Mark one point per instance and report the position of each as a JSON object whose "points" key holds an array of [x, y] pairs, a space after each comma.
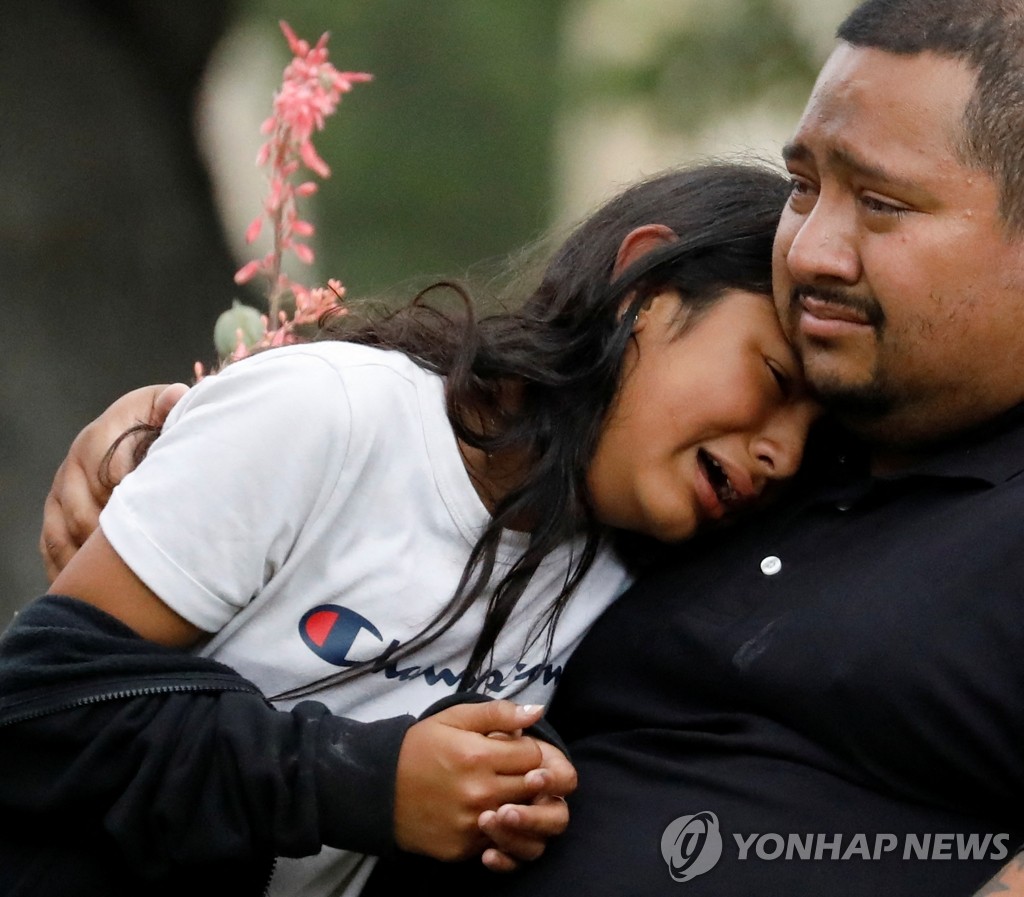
{"points": [[468, 143], [128, 134]]}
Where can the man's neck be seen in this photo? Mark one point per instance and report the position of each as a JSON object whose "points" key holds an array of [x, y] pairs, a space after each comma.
{"points": [[892, 457]]}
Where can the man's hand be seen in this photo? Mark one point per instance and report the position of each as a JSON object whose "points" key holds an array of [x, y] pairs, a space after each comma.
{"points": [[451, 770], [78, 493], [1008, 881], [520, 832]]}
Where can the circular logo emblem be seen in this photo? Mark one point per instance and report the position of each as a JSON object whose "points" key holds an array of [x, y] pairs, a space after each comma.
{"points": [[691, 845], [330, 631]]}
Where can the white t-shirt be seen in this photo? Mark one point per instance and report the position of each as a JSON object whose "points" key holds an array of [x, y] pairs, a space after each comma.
{"points": [[309, 508]]}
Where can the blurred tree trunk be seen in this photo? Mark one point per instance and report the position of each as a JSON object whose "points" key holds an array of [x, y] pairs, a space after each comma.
{"points": [[112, 259]]}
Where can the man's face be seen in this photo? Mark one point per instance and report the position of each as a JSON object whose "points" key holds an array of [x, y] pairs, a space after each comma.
{"points": [[894, 276]]}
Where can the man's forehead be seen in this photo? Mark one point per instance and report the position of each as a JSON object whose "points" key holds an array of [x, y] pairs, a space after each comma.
{"points": [[865, 95]]}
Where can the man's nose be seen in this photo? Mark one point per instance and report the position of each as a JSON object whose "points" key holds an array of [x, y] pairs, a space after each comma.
{"points": [[823, 244]]}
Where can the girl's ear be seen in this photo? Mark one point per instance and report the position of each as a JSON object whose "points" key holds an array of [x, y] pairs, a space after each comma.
{"points": [[638, 242]]}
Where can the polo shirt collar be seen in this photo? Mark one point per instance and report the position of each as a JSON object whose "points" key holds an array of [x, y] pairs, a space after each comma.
{"points": [[992, 453]]}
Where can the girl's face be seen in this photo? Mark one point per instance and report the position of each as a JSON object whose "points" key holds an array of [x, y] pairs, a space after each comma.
{"points": [[705, 419]]}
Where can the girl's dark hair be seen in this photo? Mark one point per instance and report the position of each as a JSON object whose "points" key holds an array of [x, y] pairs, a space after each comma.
{"points": [[560, 353]]}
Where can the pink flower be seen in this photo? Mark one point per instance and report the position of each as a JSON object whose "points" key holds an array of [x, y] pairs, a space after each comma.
{"points": [[310, 92], [248, 271], [311, 305], [241, 349], [312, 160], [253, 230], [303, 253]]}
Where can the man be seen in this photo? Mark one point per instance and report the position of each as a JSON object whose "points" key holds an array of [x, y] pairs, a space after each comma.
{"points": [[830, 699]]}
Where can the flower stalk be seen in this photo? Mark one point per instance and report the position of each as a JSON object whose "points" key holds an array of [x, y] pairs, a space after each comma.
{"points": [[310, 92]]}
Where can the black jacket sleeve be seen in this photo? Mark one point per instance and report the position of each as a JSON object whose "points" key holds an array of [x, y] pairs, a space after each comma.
{"points": [[177, 758]]}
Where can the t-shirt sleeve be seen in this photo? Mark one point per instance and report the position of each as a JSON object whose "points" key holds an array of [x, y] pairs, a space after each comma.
{"points": [[248, 457]]}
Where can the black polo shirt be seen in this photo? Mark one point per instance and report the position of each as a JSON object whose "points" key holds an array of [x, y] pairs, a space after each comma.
{"points": [[838, 686]]}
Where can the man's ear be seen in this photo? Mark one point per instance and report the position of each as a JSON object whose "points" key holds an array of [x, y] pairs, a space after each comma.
{"points": [[638, 242]]}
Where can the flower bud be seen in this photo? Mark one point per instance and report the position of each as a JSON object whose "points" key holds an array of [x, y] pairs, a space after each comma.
{"points": [[238, 319]]}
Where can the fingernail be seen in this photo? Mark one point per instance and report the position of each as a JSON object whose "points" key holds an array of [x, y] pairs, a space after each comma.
{"points": [[510, 816], [486, 818], [536, 777], [530, 709]]}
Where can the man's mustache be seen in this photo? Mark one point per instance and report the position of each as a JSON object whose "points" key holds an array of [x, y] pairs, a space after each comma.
{"points": [[865, 306]]}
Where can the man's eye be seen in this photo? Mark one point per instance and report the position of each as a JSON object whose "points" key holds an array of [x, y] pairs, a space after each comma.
{"points": [[799, 187], [802, 194], [881, 207]]}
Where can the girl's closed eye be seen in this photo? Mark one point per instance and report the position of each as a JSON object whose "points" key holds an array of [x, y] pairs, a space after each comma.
{"points": [[782, 377]]}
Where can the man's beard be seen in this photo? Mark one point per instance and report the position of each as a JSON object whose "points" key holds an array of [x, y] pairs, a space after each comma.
{"points": [[857, 403], [868, 401]]}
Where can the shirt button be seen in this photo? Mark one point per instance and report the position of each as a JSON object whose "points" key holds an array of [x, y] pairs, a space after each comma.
{"points": [[843, 506], [771, 565]]}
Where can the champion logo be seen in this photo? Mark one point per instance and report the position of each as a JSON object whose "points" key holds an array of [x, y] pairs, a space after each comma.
{"points": [[344, 638], [330, 631]]}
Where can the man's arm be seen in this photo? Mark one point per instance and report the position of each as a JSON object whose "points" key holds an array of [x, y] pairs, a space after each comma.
{"points": [[1008, 881], [79, 493]]}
